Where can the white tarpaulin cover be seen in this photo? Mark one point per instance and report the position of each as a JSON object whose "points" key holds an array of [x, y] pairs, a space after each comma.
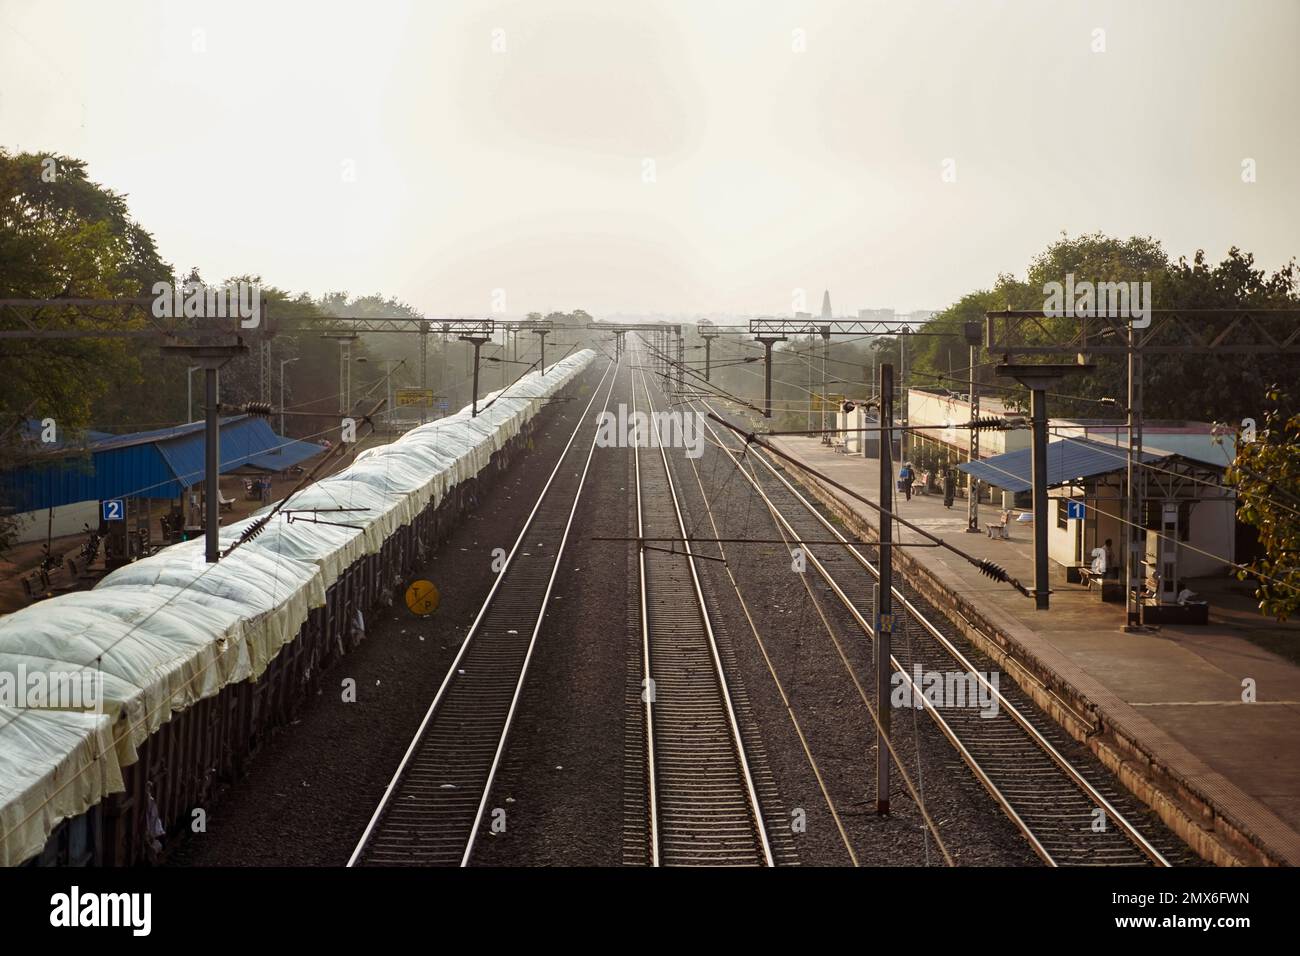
{"points": [[51, 768], [169, 630]]}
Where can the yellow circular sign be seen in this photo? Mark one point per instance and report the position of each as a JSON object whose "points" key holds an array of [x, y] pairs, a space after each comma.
{"points": [[422, 598]]}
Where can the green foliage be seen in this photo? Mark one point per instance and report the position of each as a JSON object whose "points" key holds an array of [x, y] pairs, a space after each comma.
{"points": [[944, 360], [1213, 387], [1199, 387], [1094, 257], [1266, 474], [1221, 387], [62, 235]]}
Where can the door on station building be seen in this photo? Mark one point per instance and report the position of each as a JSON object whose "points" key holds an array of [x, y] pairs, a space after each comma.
{"points": [[1246, 543]]}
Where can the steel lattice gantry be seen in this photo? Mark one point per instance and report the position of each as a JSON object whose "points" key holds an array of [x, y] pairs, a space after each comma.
{"points": [[357, 324], [769, 331], [132, 318], [815, 326], [1040, 335], [1168, 332]]}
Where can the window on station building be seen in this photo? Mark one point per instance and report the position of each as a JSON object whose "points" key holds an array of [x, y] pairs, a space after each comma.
{"points": [[1155, 509], [1062, 513]]}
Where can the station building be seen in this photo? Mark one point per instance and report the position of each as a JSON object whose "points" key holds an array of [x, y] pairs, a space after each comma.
{"points": [[61, 486], [1189, 515]]}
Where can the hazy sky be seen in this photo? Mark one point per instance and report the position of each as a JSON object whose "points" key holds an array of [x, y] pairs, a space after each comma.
{"points": [[507, 145]]}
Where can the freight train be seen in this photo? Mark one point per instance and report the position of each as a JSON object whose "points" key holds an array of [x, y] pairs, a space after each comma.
{"points": [[144, 696]]}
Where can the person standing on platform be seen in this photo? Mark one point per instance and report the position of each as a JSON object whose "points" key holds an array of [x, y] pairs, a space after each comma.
{"points": [[949, 487]]}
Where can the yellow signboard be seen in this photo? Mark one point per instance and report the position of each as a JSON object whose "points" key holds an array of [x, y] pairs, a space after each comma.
{"points": [[418, 397], [422, 598]]}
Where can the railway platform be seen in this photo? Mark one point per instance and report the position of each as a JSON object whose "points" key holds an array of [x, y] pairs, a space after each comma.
{"points": [[1164, 708]]}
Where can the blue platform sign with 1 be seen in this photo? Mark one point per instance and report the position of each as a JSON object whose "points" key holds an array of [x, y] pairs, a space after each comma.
{"points": [[114, 509], [1075, 509]]}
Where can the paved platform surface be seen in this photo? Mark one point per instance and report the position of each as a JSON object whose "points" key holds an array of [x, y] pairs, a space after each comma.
{"points": [[1177, 691]]}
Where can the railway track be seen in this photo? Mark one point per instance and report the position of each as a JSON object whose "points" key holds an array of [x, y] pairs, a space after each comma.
{"points": [[433, 809], [703, 806], [1069, 816]]}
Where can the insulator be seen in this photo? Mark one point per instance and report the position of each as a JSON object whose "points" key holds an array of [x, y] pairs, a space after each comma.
{"points": [[987, 567], [254, 529], [995, 424], [261, 409]]}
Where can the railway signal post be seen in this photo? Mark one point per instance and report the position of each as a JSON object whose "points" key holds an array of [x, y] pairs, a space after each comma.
{"points": [[884, 606], [476, 341], [768, 341], [541, 338], [974, 339], [708, 353]]}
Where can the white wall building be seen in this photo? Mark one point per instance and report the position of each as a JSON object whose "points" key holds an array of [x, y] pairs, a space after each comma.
{"points": [[1189, 519], [929, 408]]}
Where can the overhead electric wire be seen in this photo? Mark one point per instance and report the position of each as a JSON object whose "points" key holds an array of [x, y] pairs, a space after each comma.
{"points": [[983, 565], [986, 567], [916, 796], [97, 661]]}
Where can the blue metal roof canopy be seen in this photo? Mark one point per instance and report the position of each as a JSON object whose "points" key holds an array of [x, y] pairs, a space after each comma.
{"points": [[155, 464], [244, 441], [1068, 460]]}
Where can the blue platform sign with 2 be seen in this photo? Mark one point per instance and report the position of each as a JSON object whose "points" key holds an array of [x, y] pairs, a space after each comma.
{"points": [[114, 509], [1075, 509]]}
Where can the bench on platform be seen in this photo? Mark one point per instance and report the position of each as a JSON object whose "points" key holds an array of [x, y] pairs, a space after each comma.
{"points": [[1106, 586]]}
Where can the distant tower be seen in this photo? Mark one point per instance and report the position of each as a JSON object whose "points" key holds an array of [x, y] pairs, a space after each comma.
{"points": [[826, 305]]}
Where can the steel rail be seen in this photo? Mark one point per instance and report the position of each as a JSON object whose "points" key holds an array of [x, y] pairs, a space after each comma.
{"points": [[1140, 841], [724, 693], [646, 685], [776, 680], [421, 731], [541, 616], [969, 758]]}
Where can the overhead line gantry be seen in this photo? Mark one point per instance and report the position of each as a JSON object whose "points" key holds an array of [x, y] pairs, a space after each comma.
{"points": [[769, 331]]}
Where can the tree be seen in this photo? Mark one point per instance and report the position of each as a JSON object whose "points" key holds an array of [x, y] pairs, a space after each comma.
{"points": [[62, 235], [1202, 387], [371, 352], [944, 359], [1266, 475], [1220, 386]]}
